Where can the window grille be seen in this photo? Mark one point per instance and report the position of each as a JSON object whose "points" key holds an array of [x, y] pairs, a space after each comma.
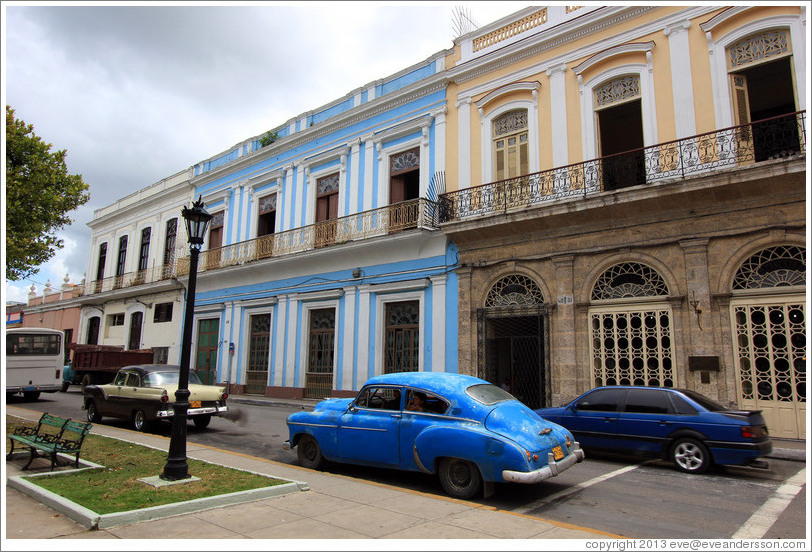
{"points": [[408, 160], [267, 204], [758, 47], [402, 337], [632, 347], [778, 266], [618, 90], [515, 290], [628, 280], [771, 346], [328, 184], [510, 122]]}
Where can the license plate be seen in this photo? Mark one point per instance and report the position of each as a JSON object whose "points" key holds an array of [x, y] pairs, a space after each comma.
{"points": [[197, 404], [558, 454]]}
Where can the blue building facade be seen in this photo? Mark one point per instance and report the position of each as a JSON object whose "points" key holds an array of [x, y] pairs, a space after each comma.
{"points": [[323, 264]]}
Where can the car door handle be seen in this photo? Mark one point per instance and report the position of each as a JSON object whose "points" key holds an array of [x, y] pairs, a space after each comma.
{"points": [[397, 416], [665, 423]]}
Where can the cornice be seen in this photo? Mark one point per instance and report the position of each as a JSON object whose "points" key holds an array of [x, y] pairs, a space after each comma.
{"points": [[638, 47], [160, 199], [566, 32], [720, 18]]}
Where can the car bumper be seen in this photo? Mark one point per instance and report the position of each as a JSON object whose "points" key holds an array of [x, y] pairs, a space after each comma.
{"points": [[27, 388], [552, 468], [213, 410]]}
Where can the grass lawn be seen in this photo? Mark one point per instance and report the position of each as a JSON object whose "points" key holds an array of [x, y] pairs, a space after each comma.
{"points": [[115, 488]]}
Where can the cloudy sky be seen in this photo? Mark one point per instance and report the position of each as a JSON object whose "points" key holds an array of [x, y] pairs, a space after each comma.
{"points": [[140, 91]]}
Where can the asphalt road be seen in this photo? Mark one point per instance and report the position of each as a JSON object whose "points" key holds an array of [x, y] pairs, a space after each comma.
{"points": [[646, 499]]}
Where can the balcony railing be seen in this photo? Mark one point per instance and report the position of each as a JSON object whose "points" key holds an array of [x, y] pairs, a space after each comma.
{"points": [[416, 213], [148, 276], [776, 137]]}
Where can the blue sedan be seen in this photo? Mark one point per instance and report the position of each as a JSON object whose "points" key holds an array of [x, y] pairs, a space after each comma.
{"points": [[676, 424], [463, 428]]}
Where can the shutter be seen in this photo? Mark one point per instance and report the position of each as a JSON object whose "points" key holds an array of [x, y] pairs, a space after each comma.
{"points": [[741, 114], [500, 163], [524, 164]]}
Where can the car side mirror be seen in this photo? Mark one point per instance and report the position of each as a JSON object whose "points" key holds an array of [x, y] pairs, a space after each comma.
{"points": [[352, 409]]}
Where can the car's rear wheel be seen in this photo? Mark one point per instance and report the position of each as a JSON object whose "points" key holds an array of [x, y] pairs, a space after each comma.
{"points": [[93, 414], [690, 456], [202, 422], [309, 452], [65, 386], [139, 420], [459, 478]]}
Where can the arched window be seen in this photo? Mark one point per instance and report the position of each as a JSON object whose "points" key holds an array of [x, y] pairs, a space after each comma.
{"points": [[510, 146], [631, 342], [778, 266], [627, 280], [515, 290]]}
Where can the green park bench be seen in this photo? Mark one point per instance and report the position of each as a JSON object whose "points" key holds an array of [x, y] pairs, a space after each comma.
{"points": [[52, 435]]}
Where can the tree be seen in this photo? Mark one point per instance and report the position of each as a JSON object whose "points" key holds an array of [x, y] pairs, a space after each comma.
{"points": [[39, 195]]}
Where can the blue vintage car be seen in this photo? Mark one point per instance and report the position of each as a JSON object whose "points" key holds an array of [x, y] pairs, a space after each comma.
{"points": [[461, 427], [682, 425]]}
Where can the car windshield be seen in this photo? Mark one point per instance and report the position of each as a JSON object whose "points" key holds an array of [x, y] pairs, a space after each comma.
{"points": [[157, 379], [488, 394], [703, 401]]}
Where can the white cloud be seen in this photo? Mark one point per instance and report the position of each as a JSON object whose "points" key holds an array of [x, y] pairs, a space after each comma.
{"points": [[137, 92]]}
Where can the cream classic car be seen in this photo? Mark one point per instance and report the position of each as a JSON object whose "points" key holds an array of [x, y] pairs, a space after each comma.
{"points": [[145, 393]]}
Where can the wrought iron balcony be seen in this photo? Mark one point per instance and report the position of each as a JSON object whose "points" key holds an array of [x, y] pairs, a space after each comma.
{"points": [[148, 276], [776, 137], [406, 215]]}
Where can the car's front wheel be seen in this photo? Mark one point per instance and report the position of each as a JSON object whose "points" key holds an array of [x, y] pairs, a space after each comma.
{"points": [[202, 422], [690, 456], [459, 478], [29, 396], [93, 414], [309, 452], [139, 420]]}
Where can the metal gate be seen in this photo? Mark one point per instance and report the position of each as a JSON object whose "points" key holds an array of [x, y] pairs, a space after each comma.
{"points": [[513, 352], [321, 354], [770, 349]]}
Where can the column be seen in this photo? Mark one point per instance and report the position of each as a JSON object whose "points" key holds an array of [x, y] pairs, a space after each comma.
{"points": [[563, 372], [362, 372], [290, 347], [280, 322], [349, 339], [464, 143], [438, 322]]}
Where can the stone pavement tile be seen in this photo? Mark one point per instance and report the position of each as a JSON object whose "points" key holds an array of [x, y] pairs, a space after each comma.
{"points": [[18, 519], [305, 529], [498, 524], [438, 530], [350, 489], [371, 521], [185, 526], [248, 517], [309, 503], [421, 506], [555, 532]]}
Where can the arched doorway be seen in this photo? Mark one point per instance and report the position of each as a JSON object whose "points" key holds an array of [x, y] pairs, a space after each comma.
{"points": [[769, 329], [513, 340], [631, 328]]}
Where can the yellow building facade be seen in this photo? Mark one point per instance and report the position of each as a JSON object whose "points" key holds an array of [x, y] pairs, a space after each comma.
{"points": [[627, 189]]}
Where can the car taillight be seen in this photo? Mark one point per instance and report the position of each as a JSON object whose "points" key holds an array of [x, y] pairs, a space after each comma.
{"points": [[164, 398], [224, 396], [57, 374], [752, 432]]}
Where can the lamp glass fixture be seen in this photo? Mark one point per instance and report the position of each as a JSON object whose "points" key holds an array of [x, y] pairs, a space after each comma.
{"points": [[197, 219]]}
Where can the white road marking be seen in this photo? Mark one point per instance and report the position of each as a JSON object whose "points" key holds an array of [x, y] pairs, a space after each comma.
{"points": [[763, 518], [575, 488]]}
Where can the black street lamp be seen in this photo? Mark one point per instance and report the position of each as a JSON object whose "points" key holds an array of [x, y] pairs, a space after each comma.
{"points": [[197, 219]]}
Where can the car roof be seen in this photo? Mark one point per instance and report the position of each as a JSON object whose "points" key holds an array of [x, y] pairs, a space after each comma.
{"points": [[150, 368], [439, 382]]}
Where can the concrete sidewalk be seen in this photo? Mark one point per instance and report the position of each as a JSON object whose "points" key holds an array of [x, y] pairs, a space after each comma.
{"points": [[334, 507]]}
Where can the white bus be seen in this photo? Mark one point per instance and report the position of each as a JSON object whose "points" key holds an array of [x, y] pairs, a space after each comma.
{"points": [[34, 361]]}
